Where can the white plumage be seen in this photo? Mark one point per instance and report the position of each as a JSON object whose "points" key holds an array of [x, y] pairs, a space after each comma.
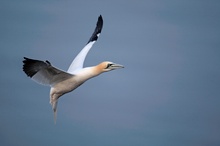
{"points": [[62, 82]]}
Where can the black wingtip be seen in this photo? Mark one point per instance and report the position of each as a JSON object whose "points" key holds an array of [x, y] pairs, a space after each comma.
{"points": [[99, 23], [31, 66], [27, 67], [100, 18], [98, 29], [26, 58]]}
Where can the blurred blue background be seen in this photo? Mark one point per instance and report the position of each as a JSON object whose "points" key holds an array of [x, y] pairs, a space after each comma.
{"points": [[168, 94]]}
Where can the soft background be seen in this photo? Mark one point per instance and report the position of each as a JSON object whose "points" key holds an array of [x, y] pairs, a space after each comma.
{"points": [[168, 94]]}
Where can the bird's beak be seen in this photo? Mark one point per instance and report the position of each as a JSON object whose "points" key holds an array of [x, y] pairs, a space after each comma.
{"points": [[116, 66]]}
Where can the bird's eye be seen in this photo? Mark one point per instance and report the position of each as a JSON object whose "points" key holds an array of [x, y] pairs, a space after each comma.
{"points": [[109, 65]]}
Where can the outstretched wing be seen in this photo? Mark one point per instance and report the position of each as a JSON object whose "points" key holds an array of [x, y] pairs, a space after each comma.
{"points": [[79, 60], [43, 72]]}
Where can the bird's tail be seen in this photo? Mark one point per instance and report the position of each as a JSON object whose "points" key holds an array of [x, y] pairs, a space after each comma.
{"points": [[54, 107], [55, 116]]}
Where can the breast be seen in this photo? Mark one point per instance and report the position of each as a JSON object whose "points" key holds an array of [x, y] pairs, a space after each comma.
{"points": [[67, 85]]}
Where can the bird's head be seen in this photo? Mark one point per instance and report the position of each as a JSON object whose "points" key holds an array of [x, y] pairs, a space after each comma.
{"points": [[108, 66]]}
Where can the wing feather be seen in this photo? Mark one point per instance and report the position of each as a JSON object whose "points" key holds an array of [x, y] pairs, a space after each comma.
{"points": [[43, 72], [79, 60]]}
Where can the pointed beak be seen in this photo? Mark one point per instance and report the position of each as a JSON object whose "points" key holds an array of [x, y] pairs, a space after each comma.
{"points": [[116, 66]]}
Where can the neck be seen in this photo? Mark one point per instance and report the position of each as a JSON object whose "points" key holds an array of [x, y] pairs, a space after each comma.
{"points": [[89, 72]]}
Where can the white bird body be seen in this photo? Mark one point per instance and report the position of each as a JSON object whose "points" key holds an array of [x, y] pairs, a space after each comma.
{"points": [[62, 82], [72, 83]]}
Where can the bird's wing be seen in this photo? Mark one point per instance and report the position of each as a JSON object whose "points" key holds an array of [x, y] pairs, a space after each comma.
{"points": [[43, 72], [79, 60]]}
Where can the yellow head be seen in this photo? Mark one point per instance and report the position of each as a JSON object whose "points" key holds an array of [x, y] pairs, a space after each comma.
{"points": [[108, 66]]}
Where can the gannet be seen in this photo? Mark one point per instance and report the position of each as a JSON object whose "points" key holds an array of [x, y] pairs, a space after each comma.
{"points": [[62, 82]]}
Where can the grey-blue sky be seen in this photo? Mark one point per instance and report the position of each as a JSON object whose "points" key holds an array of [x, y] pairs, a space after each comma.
{"points": [[168, 94]]}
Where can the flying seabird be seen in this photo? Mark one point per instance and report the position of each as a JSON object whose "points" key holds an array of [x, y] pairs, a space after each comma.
{"points": [[62, 82]]}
